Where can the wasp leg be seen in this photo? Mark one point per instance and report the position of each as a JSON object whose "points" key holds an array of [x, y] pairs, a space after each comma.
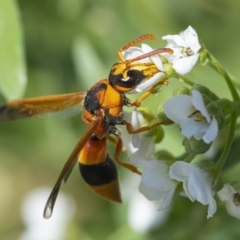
{"points": [[130, 129], [118, 151], [112, 139], [132, 43], [137, 103]]}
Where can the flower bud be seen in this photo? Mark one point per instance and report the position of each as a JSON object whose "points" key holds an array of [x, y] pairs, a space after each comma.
{"points": [[215, 109], [159, 135], [165, 156], [195, 146], [181, 91], [205, 92], [207, 165], [147, 115], [168, 69], [156, 132]]}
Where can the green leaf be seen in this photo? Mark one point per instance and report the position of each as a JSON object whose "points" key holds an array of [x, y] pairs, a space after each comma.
{"points": [[12, 60]]}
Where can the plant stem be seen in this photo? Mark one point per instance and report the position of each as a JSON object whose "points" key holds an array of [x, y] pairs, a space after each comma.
{"points": [[187, 157], [227, 78], [228, 145], [185, 80]]}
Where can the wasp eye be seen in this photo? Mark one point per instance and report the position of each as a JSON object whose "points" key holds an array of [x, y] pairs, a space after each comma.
{"points": [[128, 82], [135, 76]]}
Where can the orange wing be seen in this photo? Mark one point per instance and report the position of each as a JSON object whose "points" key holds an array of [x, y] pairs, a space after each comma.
{"points": [[38, 106], [67, 168]]}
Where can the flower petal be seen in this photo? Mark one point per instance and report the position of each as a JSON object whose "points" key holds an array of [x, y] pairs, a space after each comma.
{"points": [[192, 128], [175, 40], [156, 183], [185, 65], [166, 201], [178, 108], [226, 193], [154, 176], [212, 131], [146, 48], [147, 83], [144, 152], [180, 171], [191, 38], [155, 58], [198, 186], [198, 103], [132, 53], [150, 193], [212, 208], [232, 209]]}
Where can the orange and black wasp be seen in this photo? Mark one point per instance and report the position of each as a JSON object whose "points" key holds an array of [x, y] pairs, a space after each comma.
{"points": [[102, 111]]}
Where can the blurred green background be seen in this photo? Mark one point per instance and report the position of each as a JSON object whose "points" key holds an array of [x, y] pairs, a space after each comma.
{"points": [[66, 46]]}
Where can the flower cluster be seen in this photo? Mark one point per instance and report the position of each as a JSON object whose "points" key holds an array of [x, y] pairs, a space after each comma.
{"points": [[159, 178], [200, 114]]}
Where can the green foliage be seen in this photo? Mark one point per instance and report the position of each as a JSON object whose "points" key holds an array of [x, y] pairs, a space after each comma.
{"points": [[12, 58], [69, 45]]}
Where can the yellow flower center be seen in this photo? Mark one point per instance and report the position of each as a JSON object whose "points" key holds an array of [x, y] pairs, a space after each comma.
{"points": [[236, 199], [198, 117], [187, 52]]}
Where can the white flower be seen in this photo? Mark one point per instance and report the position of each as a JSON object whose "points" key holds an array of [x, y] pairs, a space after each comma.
{"points": [[156, 185], [197, 184], [155, 59], [185, 46], [192, 116], [232, 199], [139, 147]]}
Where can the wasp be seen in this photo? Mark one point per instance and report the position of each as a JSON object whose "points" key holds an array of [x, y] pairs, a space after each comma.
{"points": [[102, 110]]}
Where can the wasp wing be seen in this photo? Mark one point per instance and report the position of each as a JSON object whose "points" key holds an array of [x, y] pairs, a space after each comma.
{"points": [[39, 106], [67, 168]]}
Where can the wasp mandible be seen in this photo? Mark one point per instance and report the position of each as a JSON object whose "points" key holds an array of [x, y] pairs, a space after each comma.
{"points": [[102, 111]]}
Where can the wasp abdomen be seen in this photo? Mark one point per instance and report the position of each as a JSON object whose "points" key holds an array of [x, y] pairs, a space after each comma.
{"points": [[102, 178]]}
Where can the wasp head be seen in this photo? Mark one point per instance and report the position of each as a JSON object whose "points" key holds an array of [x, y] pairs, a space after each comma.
{"points": [[125, 76]]}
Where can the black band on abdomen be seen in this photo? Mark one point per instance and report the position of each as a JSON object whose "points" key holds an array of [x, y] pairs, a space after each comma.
{"points": [[99, 174]]}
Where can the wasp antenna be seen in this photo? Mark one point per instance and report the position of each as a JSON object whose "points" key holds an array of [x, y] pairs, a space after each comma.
{"points": [[51, 201], [134, 42], [152, 53], [137, 40]]}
